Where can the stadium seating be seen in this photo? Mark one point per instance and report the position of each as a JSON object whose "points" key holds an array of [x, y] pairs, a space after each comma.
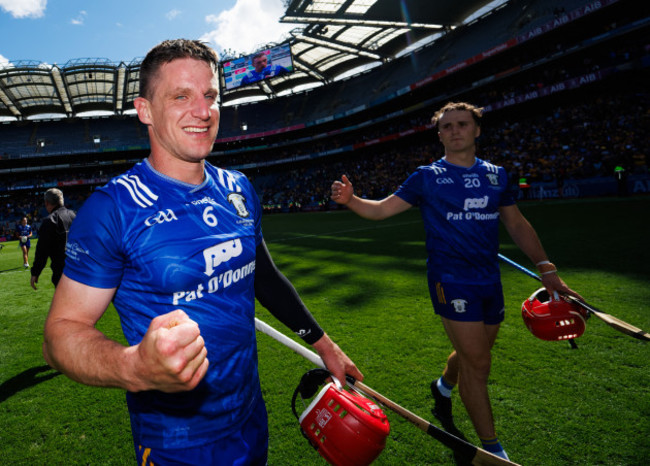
{"points": [[294, 145]]}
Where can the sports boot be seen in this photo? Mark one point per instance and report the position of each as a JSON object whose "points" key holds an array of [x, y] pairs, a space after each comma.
{"points": [[442, 407]]}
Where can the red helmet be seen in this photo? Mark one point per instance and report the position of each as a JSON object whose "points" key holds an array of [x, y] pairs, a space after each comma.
{"points": [[344, 427], [552, 320]]}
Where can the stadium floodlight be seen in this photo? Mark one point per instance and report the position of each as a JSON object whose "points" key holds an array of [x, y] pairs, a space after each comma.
{"points": [[464, 449]]}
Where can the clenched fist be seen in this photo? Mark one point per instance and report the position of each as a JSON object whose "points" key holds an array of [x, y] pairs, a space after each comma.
{"points": [[172, 353]]}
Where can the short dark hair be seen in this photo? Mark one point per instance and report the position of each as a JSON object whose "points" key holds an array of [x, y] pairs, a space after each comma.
{"points": [[477, 112], [258, 55], [170, 50]]}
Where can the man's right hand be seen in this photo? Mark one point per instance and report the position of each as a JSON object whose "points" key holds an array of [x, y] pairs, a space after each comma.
{"points": [[172, 354], [342, 191]]}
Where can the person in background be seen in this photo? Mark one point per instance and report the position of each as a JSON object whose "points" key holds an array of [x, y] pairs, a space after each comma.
{"points": [[262, 69], [462, 199], [52, 236], [176, 245], [24, 233]]}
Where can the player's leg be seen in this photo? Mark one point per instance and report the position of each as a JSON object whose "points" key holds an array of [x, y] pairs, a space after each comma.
{"points": [[450, 373], [441, 389], [454, 302], [25, 251], [473, 342], [471, 316]]}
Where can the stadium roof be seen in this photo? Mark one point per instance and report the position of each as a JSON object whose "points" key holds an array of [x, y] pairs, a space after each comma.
{"points": [[334, 38]]}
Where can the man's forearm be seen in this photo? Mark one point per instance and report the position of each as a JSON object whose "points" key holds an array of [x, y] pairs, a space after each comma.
{"points": [[527, 240], [368, 209], [87, 356]]}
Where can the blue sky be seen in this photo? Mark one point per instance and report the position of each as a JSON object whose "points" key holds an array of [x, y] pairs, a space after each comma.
{"points": [[120, 30]]}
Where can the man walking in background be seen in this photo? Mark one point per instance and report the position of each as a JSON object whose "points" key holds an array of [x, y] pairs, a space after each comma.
{"points": [[24, 233], [52, 236], [461, 199]]}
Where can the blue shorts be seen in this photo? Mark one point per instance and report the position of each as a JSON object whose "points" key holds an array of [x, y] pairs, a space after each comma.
{"points": [[468, 303], [247, 446]]}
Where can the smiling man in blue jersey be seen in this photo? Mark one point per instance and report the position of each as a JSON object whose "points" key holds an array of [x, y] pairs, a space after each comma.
{"points": [[176, 244], [261, 69], [462, 199]]}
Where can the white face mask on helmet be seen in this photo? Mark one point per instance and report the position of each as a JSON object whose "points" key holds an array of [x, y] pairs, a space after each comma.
{"points": [[553, 319], [344, 427]]}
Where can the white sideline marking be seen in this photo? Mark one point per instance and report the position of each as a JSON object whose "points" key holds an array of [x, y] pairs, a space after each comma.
{"points": [[335, 233]]}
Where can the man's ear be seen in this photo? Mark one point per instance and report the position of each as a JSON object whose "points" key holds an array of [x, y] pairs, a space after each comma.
{"points": [[142, 107]]}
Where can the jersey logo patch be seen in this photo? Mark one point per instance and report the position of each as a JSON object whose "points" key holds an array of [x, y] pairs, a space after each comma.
{"points": [[239, 202], [221, 253], [479, 203], [493, 179], [459, 305]]}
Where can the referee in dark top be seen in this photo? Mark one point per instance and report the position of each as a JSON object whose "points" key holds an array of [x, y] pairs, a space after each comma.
{"points": [[52, 236]]}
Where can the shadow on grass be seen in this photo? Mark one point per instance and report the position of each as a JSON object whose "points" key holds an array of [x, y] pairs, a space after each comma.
{"points": [[11, 270], [26, 379]]}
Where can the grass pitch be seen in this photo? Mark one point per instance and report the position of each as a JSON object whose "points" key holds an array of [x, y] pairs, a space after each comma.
{"points": [[365, 283]]}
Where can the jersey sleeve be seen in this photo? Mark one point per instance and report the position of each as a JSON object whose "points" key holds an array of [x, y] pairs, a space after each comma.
{"points": [[93, 250], [411, 190]]}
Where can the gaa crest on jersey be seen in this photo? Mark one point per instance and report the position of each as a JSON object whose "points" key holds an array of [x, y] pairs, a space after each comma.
{"points": [[239, 202], [493, 179], [459, 305], [161, 216]]}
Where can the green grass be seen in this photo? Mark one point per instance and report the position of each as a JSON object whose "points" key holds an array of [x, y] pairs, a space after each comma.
{"points": [[365, 283]]}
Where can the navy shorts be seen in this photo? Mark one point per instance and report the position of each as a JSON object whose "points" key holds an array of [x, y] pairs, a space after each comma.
{"points": [[247, 446], [468, 303]]}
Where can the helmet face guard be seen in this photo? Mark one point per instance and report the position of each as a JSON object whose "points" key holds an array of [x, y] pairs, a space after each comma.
{"points": [[552, 320], [344, 427]]}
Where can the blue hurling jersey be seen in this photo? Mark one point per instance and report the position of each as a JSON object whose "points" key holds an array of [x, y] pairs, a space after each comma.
{"points": [[23, 230], [459, 207], [169, 245]]}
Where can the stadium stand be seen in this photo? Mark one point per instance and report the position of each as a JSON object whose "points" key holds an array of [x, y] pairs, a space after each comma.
{"points": [[564, 85]]}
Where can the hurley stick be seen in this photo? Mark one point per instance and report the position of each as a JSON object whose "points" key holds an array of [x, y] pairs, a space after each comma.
{"points": [[610, 320], [472, 453]]}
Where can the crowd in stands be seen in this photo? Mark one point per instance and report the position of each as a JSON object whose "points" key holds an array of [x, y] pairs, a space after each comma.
{"points": [[580, 140], [569, 142]]}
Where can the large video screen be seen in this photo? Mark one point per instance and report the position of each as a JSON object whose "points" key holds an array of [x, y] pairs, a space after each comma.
{"points": [[263, 64]]}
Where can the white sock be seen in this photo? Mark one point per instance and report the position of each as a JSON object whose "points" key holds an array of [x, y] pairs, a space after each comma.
{"points": [[444, 389]]}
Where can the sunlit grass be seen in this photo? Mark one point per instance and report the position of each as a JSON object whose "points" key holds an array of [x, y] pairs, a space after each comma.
{"points": [[365, 283]]}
